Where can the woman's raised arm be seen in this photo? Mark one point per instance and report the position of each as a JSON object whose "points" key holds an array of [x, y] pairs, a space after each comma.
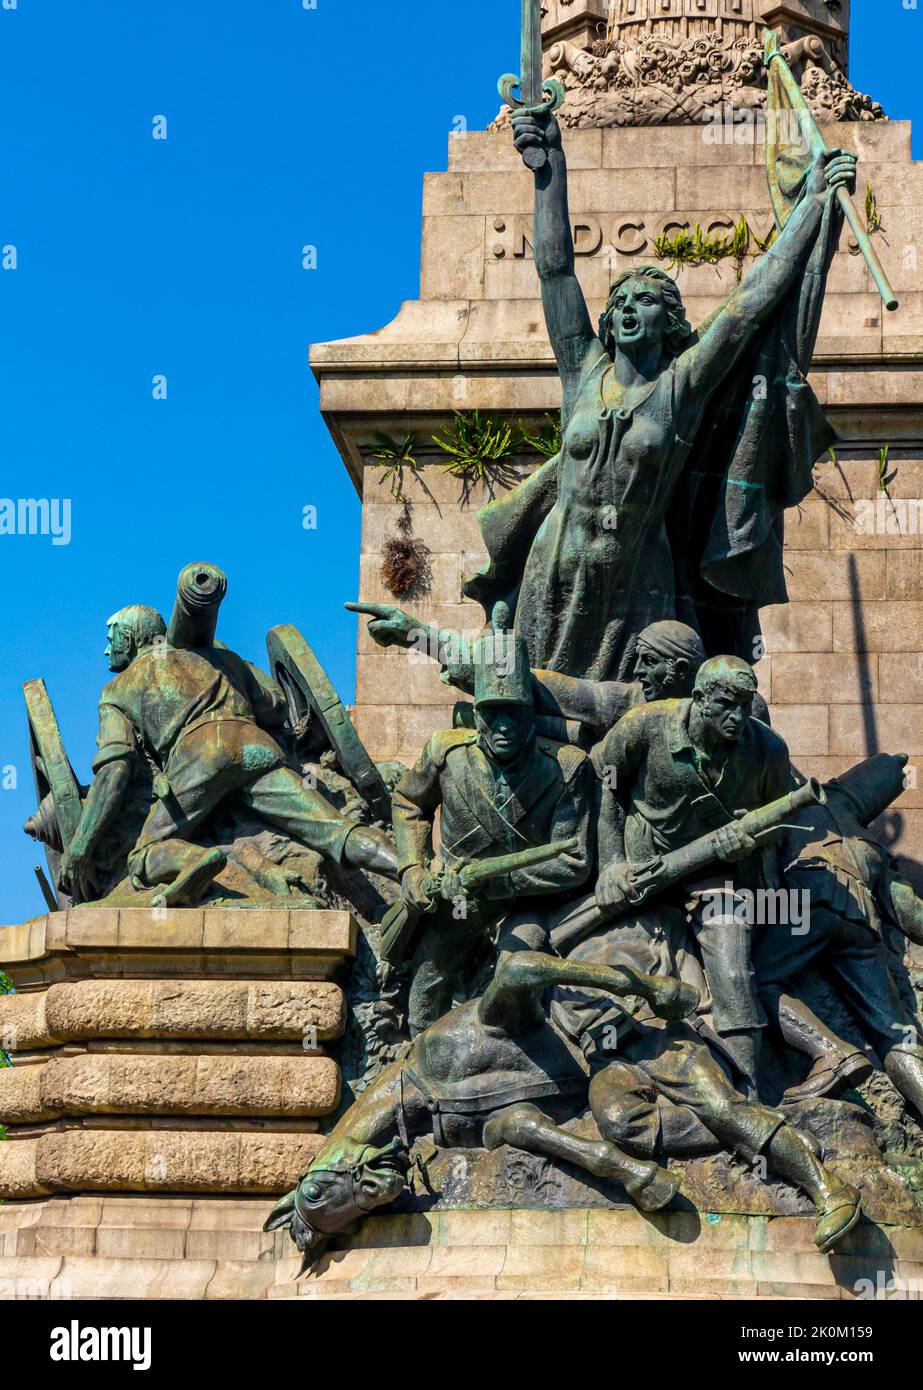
{"points": [[702, 369], [566, 315]]}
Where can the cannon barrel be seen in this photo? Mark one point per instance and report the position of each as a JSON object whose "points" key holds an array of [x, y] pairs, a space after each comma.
{"points": [[200, 590], [43, 825]]}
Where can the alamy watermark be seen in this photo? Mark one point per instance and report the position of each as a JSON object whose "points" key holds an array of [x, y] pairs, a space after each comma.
{"points": [[884, 515], [728, 124], [36, 516], [760, 907]]}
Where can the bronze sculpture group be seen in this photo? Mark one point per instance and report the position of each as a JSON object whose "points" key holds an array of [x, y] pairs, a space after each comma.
{"points": [[571, 880]]}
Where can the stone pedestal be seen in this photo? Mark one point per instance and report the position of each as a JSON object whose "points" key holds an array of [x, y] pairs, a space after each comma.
{"points": [[168, 1051], [163, 1247]]}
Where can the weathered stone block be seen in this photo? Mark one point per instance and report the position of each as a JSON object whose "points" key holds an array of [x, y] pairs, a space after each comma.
{"points": [[661, 146], [19, 1178], [623, 1269], [805, 728], [818, 677], [194, 1009], [128, 1084], [22, 1021], [879, 627], [797, 627], [453, 257], [165, 1161], [905, 574], [897, 728], [828, 575], [177, 929], [900, 677], [808, 527]]}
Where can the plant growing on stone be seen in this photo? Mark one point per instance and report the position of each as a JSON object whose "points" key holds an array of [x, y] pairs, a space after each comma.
{"points": [[885, 479], [832, 502], [739, 247], [546, 439], [873, 222], [695, 248], [480, 450], [393, 456], [406, 569]]}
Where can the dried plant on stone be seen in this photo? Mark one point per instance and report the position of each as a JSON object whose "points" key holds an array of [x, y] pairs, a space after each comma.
{"points": [[406, 567]]}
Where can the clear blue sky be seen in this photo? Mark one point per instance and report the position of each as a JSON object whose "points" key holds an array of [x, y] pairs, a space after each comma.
{"points": [[182, 257]]}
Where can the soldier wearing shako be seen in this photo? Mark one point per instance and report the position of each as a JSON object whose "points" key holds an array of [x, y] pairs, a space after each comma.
{"points": [[501, 790]]}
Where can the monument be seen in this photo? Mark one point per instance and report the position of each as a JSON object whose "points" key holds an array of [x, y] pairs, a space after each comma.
{"points": [[583, 955]]}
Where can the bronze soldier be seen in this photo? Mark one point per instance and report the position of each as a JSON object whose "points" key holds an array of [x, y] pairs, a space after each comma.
{"points": [[664, 1090], [570, 709], [852, 886], [678, 769], [204, 718], [499, 788]]}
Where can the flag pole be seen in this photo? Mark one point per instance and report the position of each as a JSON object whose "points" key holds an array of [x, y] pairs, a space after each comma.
{"points": [[773, 54]]}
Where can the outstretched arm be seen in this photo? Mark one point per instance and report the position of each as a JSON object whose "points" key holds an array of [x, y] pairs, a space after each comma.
{"points": [[390, 626], [701, 370], [566, 315]]}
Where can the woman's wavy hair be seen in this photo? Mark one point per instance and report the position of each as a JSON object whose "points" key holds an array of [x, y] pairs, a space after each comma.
{"points": [[680, 331]]}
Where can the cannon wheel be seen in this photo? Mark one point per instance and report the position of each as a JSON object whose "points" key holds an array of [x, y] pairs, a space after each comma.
{"points": [[308, 690], [51, 768]]}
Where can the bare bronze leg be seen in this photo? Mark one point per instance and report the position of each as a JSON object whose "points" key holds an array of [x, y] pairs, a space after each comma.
{"points": [[511, 1000], [525, 1127]]}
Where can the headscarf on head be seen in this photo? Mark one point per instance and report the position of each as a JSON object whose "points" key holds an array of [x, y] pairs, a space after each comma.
{"points": [[672, 639]]}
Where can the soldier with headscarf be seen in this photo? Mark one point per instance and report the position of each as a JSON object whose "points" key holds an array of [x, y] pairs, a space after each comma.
{"points": [[573, 710]]}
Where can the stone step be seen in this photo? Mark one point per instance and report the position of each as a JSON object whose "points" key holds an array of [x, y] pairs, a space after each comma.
{"points": [[114, 1279], [85, 1247]]}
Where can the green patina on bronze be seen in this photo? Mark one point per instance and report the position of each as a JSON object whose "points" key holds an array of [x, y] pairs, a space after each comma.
{"points": [[189, 731], [681, 449], [611, 793]]}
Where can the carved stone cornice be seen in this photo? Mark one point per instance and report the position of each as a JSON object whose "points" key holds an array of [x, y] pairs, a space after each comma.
{"points": [[682, 62]]}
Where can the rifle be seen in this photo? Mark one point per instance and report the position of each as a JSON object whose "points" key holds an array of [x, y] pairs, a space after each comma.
{"points": [[401, 920], [663, 871]]}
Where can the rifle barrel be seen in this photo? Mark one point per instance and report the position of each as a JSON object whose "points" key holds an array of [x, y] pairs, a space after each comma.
{"points": [[483, 870]]}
